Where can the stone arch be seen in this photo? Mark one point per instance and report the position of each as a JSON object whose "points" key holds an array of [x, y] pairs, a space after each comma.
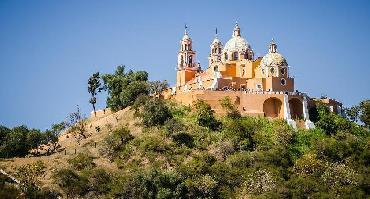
{"points": [[296, 108], [272, 107]]}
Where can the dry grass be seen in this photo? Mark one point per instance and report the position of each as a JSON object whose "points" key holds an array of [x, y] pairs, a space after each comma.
{"points": [[58, 160]]}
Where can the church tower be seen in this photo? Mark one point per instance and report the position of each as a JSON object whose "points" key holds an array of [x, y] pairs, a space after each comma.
{"points": [[274, 68], [186, 55], [186, 65], [216, 48]]}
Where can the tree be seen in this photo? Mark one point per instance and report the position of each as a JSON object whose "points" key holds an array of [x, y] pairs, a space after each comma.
{"points": [[16, 144], [18, 141], [77, 125], [123, 134], [52, 136], [124, 87], [155, 112], [229, 107], [205, 115], [93, 88], [353, 113], [115, 142], [365, 112], [157, 87]]}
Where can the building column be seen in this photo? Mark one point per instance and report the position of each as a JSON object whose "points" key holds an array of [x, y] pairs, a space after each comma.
{"points": [[308, 123], [287, 115]]}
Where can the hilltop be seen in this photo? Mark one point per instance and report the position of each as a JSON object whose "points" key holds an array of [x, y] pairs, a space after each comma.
{"points": [[147, 147]]}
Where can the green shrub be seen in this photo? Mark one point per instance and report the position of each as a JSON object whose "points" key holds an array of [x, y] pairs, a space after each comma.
{"points": [[205, 115], [151, 184], [115, 142], [71, 183], [173, 126], [183, 138], [178, 110], [305, 140], [230, 108], [82, 161], [155, 112], [99, 181]]}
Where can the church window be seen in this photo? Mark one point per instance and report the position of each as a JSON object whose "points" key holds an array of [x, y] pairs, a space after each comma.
{"points": [[259, 86], [282, 71], [215, 68], [272, 70], [190, 59], [226, 56], [235, 56], [283, 82]]}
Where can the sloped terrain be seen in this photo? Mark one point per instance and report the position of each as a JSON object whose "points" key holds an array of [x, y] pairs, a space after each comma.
{"points": [[68, 143]]}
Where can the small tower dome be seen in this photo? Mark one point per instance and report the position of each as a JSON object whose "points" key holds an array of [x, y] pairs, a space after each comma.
{"points": [[273, 58], [273, 62]]}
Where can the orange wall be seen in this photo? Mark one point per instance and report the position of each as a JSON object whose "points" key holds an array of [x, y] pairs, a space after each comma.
{"points": [[248, 104]]}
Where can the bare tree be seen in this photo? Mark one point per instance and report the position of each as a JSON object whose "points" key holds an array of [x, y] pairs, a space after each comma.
{"points": [[77, 125]]}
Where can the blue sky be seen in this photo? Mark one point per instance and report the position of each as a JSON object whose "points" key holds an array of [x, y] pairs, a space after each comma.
{"points": [[48, 49]]}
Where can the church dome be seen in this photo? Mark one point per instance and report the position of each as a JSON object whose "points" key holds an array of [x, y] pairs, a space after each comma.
{"points": [[186, 37], [216, 41], [236, 44], [237, 47], [273, 58]]}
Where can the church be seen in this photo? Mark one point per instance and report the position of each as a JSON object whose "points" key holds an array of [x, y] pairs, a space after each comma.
{"points": [[258, 86]]}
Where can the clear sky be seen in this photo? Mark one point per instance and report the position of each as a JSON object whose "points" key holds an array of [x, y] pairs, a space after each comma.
{"points": [[48, 49]]}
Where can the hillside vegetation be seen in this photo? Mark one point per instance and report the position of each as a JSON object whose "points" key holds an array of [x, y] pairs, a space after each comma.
{"points": [[155, 148]]}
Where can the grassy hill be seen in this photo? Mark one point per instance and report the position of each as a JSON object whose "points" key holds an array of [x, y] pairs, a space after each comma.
{"points": [[242, 157], [155, 148]]}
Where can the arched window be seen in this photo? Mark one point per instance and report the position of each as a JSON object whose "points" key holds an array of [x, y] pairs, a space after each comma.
{"points": [[190, 59], [235, 56], [215, 68], [282, 71], [226, 56], [272, 70], [283, 82]]}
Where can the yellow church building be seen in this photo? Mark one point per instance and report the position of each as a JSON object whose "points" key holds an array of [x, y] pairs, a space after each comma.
{"points": [[259, 86]]}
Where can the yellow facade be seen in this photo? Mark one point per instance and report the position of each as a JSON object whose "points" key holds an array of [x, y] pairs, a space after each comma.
{"points": [[257, 86]]}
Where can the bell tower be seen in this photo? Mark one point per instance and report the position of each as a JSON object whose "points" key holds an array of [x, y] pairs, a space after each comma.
{"points": [[186, 55], [216, 48], [186, 65]]}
